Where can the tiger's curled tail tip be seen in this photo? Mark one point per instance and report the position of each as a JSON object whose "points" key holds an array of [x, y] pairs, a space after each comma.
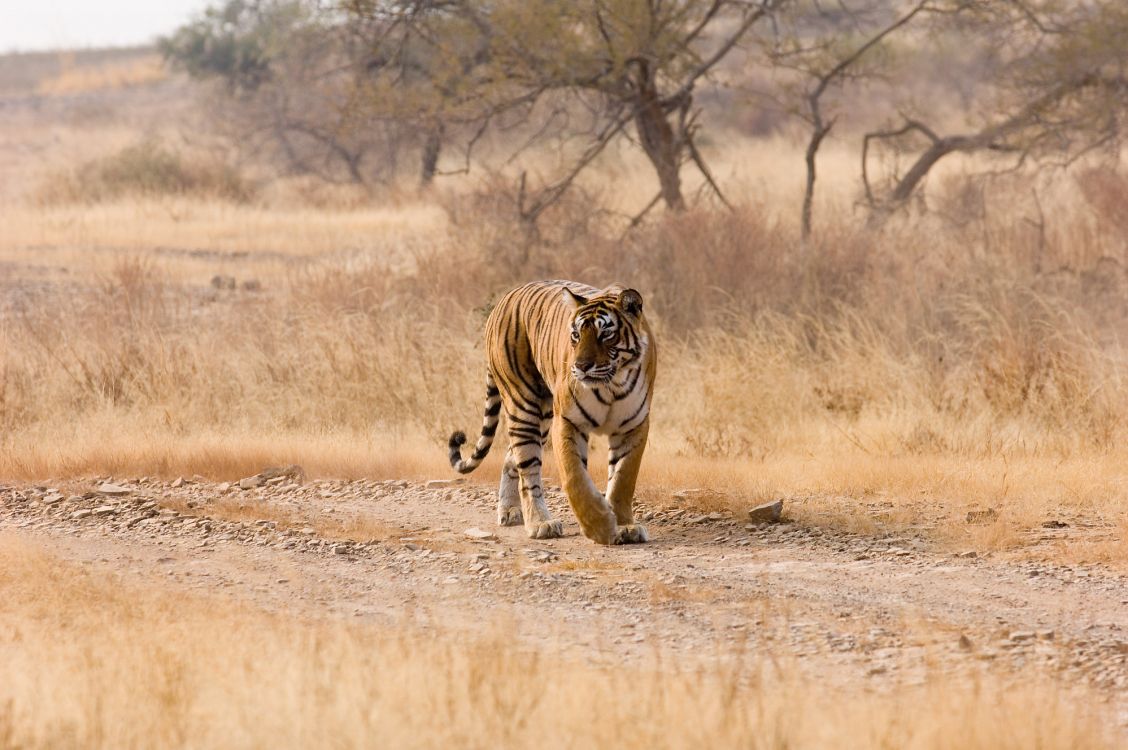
{"points": [[455, 444]]}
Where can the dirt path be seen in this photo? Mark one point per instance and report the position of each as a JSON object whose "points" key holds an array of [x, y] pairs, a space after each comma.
{"points": [[879, 612]]}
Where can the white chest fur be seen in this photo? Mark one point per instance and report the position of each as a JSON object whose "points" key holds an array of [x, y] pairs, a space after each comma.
{"points": [[619, 406]]}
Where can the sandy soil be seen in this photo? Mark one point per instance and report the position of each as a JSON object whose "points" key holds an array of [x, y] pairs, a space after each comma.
{"points": [[854, 610]]}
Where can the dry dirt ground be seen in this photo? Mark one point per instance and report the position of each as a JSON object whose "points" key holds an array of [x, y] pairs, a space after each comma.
{"points": [[862, 611]]}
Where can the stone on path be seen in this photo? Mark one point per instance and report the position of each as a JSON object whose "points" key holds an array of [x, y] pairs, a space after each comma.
{"points": [[108, 488], [982, 516], [249, 483], [475, 533], [766, 513]]}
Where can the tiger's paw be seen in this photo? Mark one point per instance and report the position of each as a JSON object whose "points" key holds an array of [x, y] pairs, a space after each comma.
{"points": [[632, 533], [545, 530], [510, 516]]}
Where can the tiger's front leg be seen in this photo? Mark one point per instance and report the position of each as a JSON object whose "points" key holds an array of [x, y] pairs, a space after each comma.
{"points": [[623, 461], [592, 511]]}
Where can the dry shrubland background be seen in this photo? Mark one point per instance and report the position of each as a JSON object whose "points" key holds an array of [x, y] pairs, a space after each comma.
{"points": [[954, 353]]}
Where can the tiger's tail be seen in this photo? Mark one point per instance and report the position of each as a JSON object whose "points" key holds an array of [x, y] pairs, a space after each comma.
{"points": [[485, 440]]}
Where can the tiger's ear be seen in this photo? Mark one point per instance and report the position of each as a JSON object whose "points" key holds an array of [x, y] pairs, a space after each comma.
{"points": [[630, 301], [572, 299]]}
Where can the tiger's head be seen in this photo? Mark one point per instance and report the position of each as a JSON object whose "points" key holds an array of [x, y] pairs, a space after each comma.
{"points": [[605, 334]]}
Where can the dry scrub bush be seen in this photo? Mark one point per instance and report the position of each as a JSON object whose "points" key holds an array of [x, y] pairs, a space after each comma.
{"points": [[145, 169], [930, 342], [89, 661]]}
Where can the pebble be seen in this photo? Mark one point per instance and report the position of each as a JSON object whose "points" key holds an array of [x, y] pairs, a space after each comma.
{"points": [[105, 510], [82, 513], [475, 533], [107, 488]]}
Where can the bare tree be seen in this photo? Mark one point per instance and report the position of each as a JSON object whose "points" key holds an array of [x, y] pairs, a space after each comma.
{"points": [[827, 48], [640, 59], [1058, 92], [285, 90]]}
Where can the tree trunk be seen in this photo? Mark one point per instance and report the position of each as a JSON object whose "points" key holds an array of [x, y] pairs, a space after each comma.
{"points": [[431, 149], [658, 139], [817, 136]]}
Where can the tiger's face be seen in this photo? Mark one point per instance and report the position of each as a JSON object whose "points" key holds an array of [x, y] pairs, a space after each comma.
{"points": [[603, 336]]}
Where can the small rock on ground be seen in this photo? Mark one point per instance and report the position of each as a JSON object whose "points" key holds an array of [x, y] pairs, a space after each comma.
{"points": [[766, 513], [475, 533]]}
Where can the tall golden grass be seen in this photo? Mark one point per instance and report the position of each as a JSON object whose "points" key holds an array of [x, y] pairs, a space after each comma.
{"points": [[88, 660]]}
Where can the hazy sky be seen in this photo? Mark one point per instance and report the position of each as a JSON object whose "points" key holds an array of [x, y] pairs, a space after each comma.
{"points": [[51, 24]]}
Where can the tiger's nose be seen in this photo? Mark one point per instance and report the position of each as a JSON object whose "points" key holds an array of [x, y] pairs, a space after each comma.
{"points": [[583, 365]]}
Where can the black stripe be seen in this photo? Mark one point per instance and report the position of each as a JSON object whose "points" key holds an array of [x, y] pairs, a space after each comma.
{"points": [[575, 426], [599, 397], [630, 419], [480, 453], [534, 461], [630, 388], [583, 411], [532, 386], [489, 431], [494, 409], [526, 422], [520, 443]]}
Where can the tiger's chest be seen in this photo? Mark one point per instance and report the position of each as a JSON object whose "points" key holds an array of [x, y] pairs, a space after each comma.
{"points": [[618, 407]]}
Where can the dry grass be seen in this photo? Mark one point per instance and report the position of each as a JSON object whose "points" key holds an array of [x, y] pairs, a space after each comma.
{"points": [[89, 661], [144, 170], [192, 240], [940, 376], [113, 74]]}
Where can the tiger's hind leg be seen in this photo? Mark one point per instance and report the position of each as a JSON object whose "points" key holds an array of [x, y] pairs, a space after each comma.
{"points": [[526, 446], [509, 494]]}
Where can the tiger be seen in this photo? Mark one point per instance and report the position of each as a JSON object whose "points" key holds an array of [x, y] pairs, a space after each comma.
{"points": [[567, 360]]}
